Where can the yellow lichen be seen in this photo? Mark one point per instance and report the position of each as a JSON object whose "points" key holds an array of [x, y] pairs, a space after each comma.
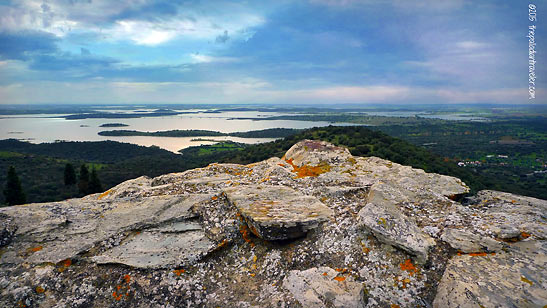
{"points": [[40, 290], [524, 279], [382, 221]]}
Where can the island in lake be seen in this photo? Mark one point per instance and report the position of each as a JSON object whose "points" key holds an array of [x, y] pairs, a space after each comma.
{"points": [[113, 125]]}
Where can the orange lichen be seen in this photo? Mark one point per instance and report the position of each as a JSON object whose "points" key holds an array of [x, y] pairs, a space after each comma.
{"points": [[478, 254], [214, 198], [123, 289], [66, 263], [409, 267], [325, 274], [524, 235], [339, 278], [106, 193], [245, 233], [222, 244], [179, 272], [40, 290], [34, 249], [395, 306], [252, 274], [306, 170]]}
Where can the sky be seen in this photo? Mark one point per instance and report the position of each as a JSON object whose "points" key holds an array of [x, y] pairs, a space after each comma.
{"points": [[324, 52]]}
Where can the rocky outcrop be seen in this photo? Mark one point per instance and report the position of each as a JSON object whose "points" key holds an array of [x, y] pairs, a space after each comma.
{"points": [[316, 228]]}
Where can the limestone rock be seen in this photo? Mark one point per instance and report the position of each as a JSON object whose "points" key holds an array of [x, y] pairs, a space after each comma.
{"points": [[394, 228], [468, 242], [323, 287], [277, 212]]}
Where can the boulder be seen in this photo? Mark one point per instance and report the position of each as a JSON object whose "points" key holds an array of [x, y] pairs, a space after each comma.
{"points": [[277, 212]]}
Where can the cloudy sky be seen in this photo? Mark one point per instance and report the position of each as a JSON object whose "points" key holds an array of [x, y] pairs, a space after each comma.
{"points": [[289, 52]]}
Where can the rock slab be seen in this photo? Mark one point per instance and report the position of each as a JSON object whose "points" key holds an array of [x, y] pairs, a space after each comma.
{"points": [[277, 212]]}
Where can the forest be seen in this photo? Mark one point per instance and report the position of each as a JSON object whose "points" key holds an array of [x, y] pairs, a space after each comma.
{"points": [[435, 148]]}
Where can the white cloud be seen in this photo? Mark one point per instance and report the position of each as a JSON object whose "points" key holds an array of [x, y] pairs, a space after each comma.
{"points": [[199, 58], [101, 16]]}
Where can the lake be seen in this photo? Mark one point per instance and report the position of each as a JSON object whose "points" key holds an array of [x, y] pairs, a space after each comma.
{"points": [[40, 128]]}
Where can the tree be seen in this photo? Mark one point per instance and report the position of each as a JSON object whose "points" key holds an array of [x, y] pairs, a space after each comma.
{"points": [[83, 184], [70, 175], [14, 192], [94, 183]]}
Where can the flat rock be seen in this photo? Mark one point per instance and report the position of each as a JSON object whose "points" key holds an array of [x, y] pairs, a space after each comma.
{"points": [[155, 250], [277, 212], [323, 287]]}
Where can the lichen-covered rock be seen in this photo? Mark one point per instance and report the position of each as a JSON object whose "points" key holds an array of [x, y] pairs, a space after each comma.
{"points": [[394, 228], [513, 279], [156, 249], [465, 241], [277, 212], [324, 287], [7, 230], [362, 229]]}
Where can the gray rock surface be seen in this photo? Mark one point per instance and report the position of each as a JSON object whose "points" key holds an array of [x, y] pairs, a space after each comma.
{"points": [[381, 232], [516, 276], [277, 212], [465, 241], [394, 228], [324, 287]]}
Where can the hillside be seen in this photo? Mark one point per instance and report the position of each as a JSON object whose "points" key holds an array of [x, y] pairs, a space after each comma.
{"points": [[318, 228]]}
